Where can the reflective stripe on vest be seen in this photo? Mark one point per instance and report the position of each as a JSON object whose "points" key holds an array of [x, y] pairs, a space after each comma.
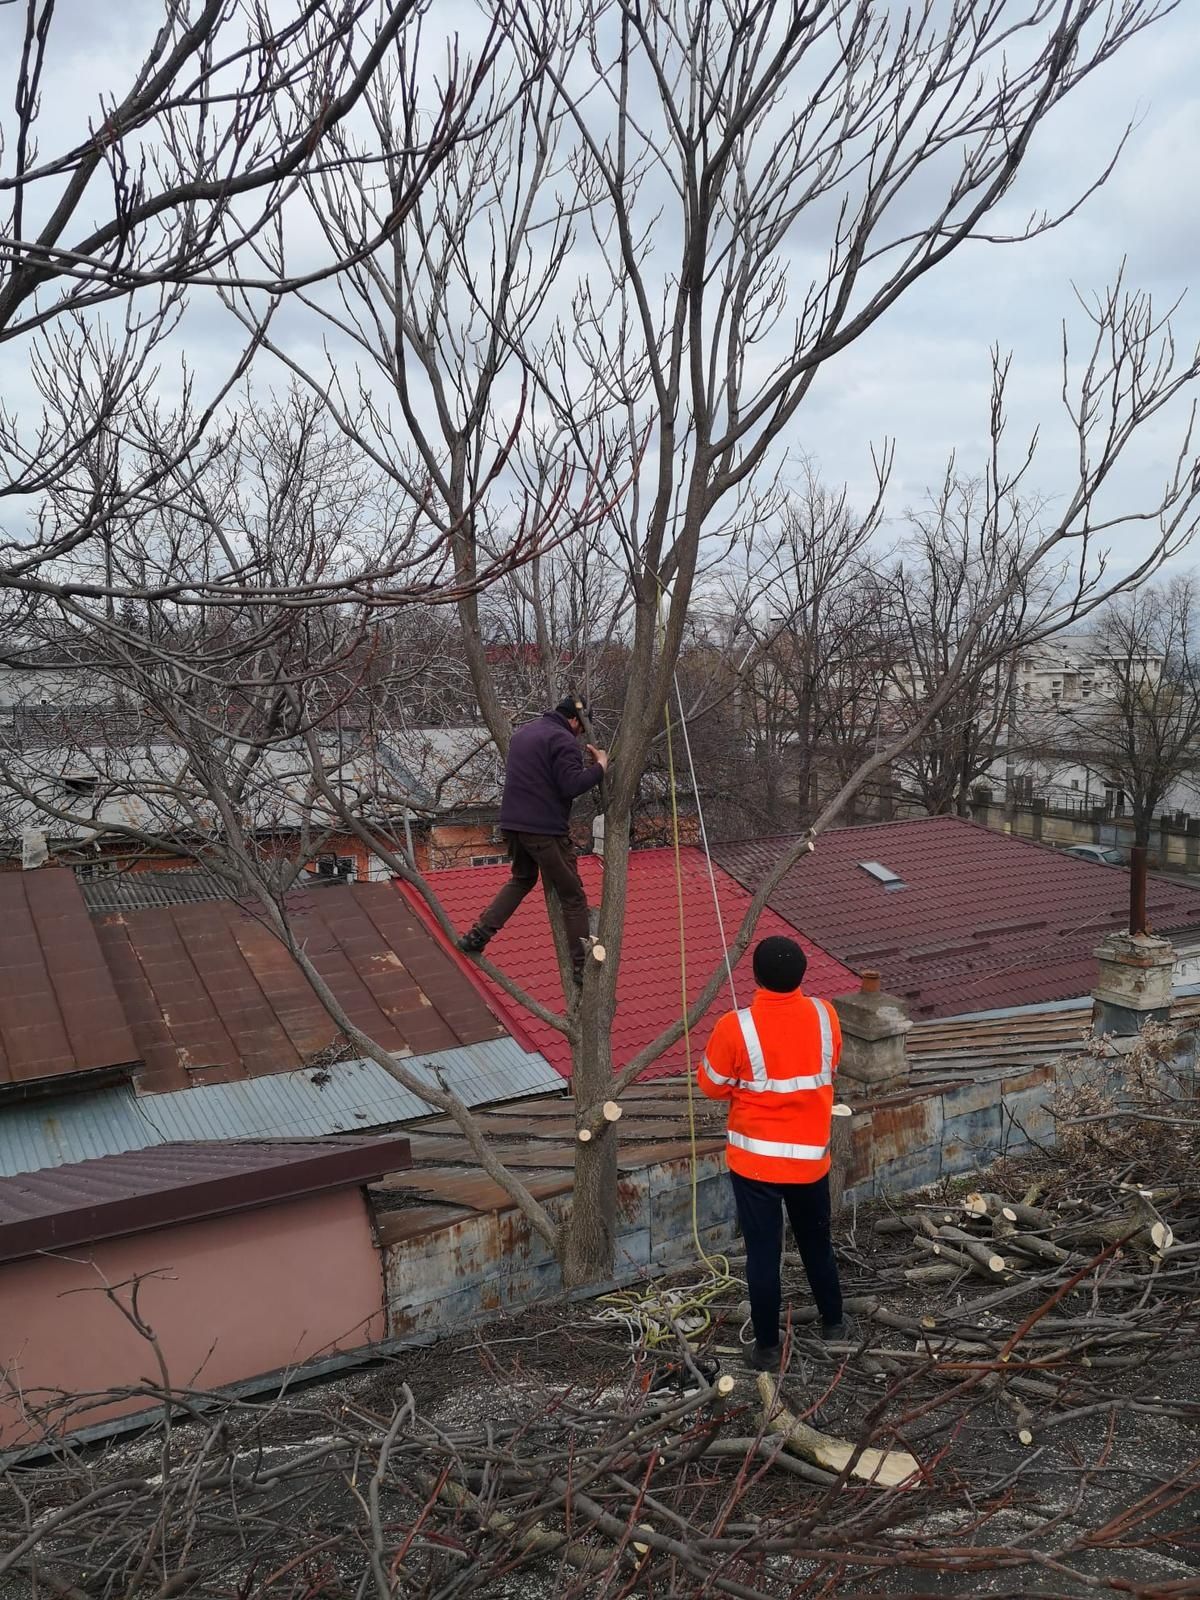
{"points": [[754, 1049], [717, 1077], [761, 1083], [772, 1147]]}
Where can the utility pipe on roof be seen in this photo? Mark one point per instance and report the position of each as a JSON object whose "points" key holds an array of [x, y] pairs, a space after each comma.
{"points": [[1137, 889]]}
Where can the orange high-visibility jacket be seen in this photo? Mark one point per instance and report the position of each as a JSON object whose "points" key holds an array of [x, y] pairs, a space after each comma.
{"points": [[774, 1063]]}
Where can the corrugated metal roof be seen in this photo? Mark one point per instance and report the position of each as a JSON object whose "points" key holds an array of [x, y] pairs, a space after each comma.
{"points": [[970, 1046], [137, 891], [145, 1189], [350, 1096], [59, 1011]]}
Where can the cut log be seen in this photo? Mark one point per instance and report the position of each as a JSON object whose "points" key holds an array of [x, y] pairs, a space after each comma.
{"points": [[910, 1223], [935, 1272], [995, 1205], [979, 1250], [886, 1469], [962, 1258], [1141, 1228], [1029, 1244]]}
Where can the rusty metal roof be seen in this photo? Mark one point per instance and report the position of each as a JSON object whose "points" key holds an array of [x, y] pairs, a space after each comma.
{"points": [[59, 1011], [116, 1195], [536, 1138], [213, 997]]}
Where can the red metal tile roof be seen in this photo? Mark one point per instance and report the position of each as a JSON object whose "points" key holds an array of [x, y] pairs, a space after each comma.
{"points": [[79, 1204], [59, 1011], [212, 996], [648, 992], [983, 921]]}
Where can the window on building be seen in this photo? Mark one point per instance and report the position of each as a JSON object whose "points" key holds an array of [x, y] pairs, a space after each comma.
{"points": [[331, 866], [80, 782], [488, 861]]}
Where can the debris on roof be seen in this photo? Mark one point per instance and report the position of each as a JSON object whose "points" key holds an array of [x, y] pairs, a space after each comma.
{"points": [[648, 988], [985, 920]]}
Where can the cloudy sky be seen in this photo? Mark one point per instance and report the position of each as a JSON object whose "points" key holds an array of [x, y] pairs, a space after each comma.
{"points": [[921, 376]]}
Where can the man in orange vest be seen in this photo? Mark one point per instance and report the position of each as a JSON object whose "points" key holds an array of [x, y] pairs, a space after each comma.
{"points": [[774, 1063]]}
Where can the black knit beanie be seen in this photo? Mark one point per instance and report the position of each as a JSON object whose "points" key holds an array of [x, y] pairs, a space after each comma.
{"points": [[779, 964]]}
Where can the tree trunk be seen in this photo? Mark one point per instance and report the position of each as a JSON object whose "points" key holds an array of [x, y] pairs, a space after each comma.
{"points": [[588, 1245], [587, 1249]]}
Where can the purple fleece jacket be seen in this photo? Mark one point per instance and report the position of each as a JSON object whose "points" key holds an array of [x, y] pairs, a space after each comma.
{"points": [[545, 772]]}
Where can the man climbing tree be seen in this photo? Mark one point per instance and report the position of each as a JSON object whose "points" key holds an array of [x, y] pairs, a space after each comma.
{"points": [[544, 773], [774, 1063]]}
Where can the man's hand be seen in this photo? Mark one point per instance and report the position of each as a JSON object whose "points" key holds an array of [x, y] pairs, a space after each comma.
{"points": [[600, 757]]}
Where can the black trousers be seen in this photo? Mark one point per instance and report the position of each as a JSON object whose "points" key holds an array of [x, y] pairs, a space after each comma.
{"points": [[553, 858], [760, 1208]]}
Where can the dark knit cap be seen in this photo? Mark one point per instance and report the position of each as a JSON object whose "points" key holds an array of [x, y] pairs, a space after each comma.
{"points": [[779, 964], [572, 705]]}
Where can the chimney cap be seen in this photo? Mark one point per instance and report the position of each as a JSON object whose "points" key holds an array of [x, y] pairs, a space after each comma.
{"points": [[870, 981]]}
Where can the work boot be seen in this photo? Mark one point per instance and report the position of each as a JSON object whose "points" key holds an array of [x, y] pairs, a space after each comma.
{"points": [[839, 1332], [473, 942], [766, 1357]]}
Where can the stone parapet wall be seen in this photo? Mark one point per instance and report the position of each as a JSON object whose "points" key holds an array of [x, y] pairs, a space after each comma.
{"points": [[485, 1263]]}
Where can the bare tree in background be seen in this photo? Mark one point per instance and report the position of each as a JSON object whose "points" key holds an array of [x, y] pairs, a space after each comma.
{"points": [[617, 269], [966, 554], [184, 183], [1140, 729], [805, 622]]}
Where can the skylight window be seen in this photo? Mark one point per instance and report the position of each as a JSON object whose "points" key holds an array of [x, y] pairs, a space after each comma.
{"points": [[883, 875]]}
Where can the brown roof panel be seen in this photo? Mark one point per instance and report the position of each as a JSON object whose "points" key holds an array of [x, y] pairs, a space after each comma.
{"points": [[983, 920], [59, 1010], [213, 996], [64, 1207]]}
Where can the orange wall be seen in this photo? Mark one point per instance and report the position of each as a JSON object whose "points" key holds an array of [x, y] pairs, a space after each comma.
{"points": [[230, 1298]]}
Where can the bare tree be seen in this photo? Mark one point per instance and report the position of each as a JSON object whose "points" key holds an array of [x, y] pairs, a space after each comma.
{"points": [[964, 554], [1140, 728], [805, 628], [612, 267], [186, 182], [168, 177]]}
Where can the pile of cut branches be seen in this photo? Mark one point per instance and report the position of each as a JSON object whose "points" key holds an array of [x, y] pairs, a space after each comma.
{"points": [[1016, 1413]]}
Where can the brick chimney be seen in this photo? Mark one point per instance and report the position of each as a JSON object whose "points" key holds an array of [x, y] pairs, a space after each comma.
{"points": [[874, 1027], [1136, 970], [1136, 967]]}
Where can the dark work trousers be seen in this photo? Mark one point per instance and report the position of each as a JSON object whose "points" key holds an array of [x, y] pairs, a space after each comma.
{"points": [[554, 858], [760, 1208]]}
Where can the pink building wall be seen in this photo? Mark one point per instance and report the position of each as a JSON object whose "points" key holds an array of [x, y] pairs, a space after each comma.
{"points": [[228, 1298]]}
